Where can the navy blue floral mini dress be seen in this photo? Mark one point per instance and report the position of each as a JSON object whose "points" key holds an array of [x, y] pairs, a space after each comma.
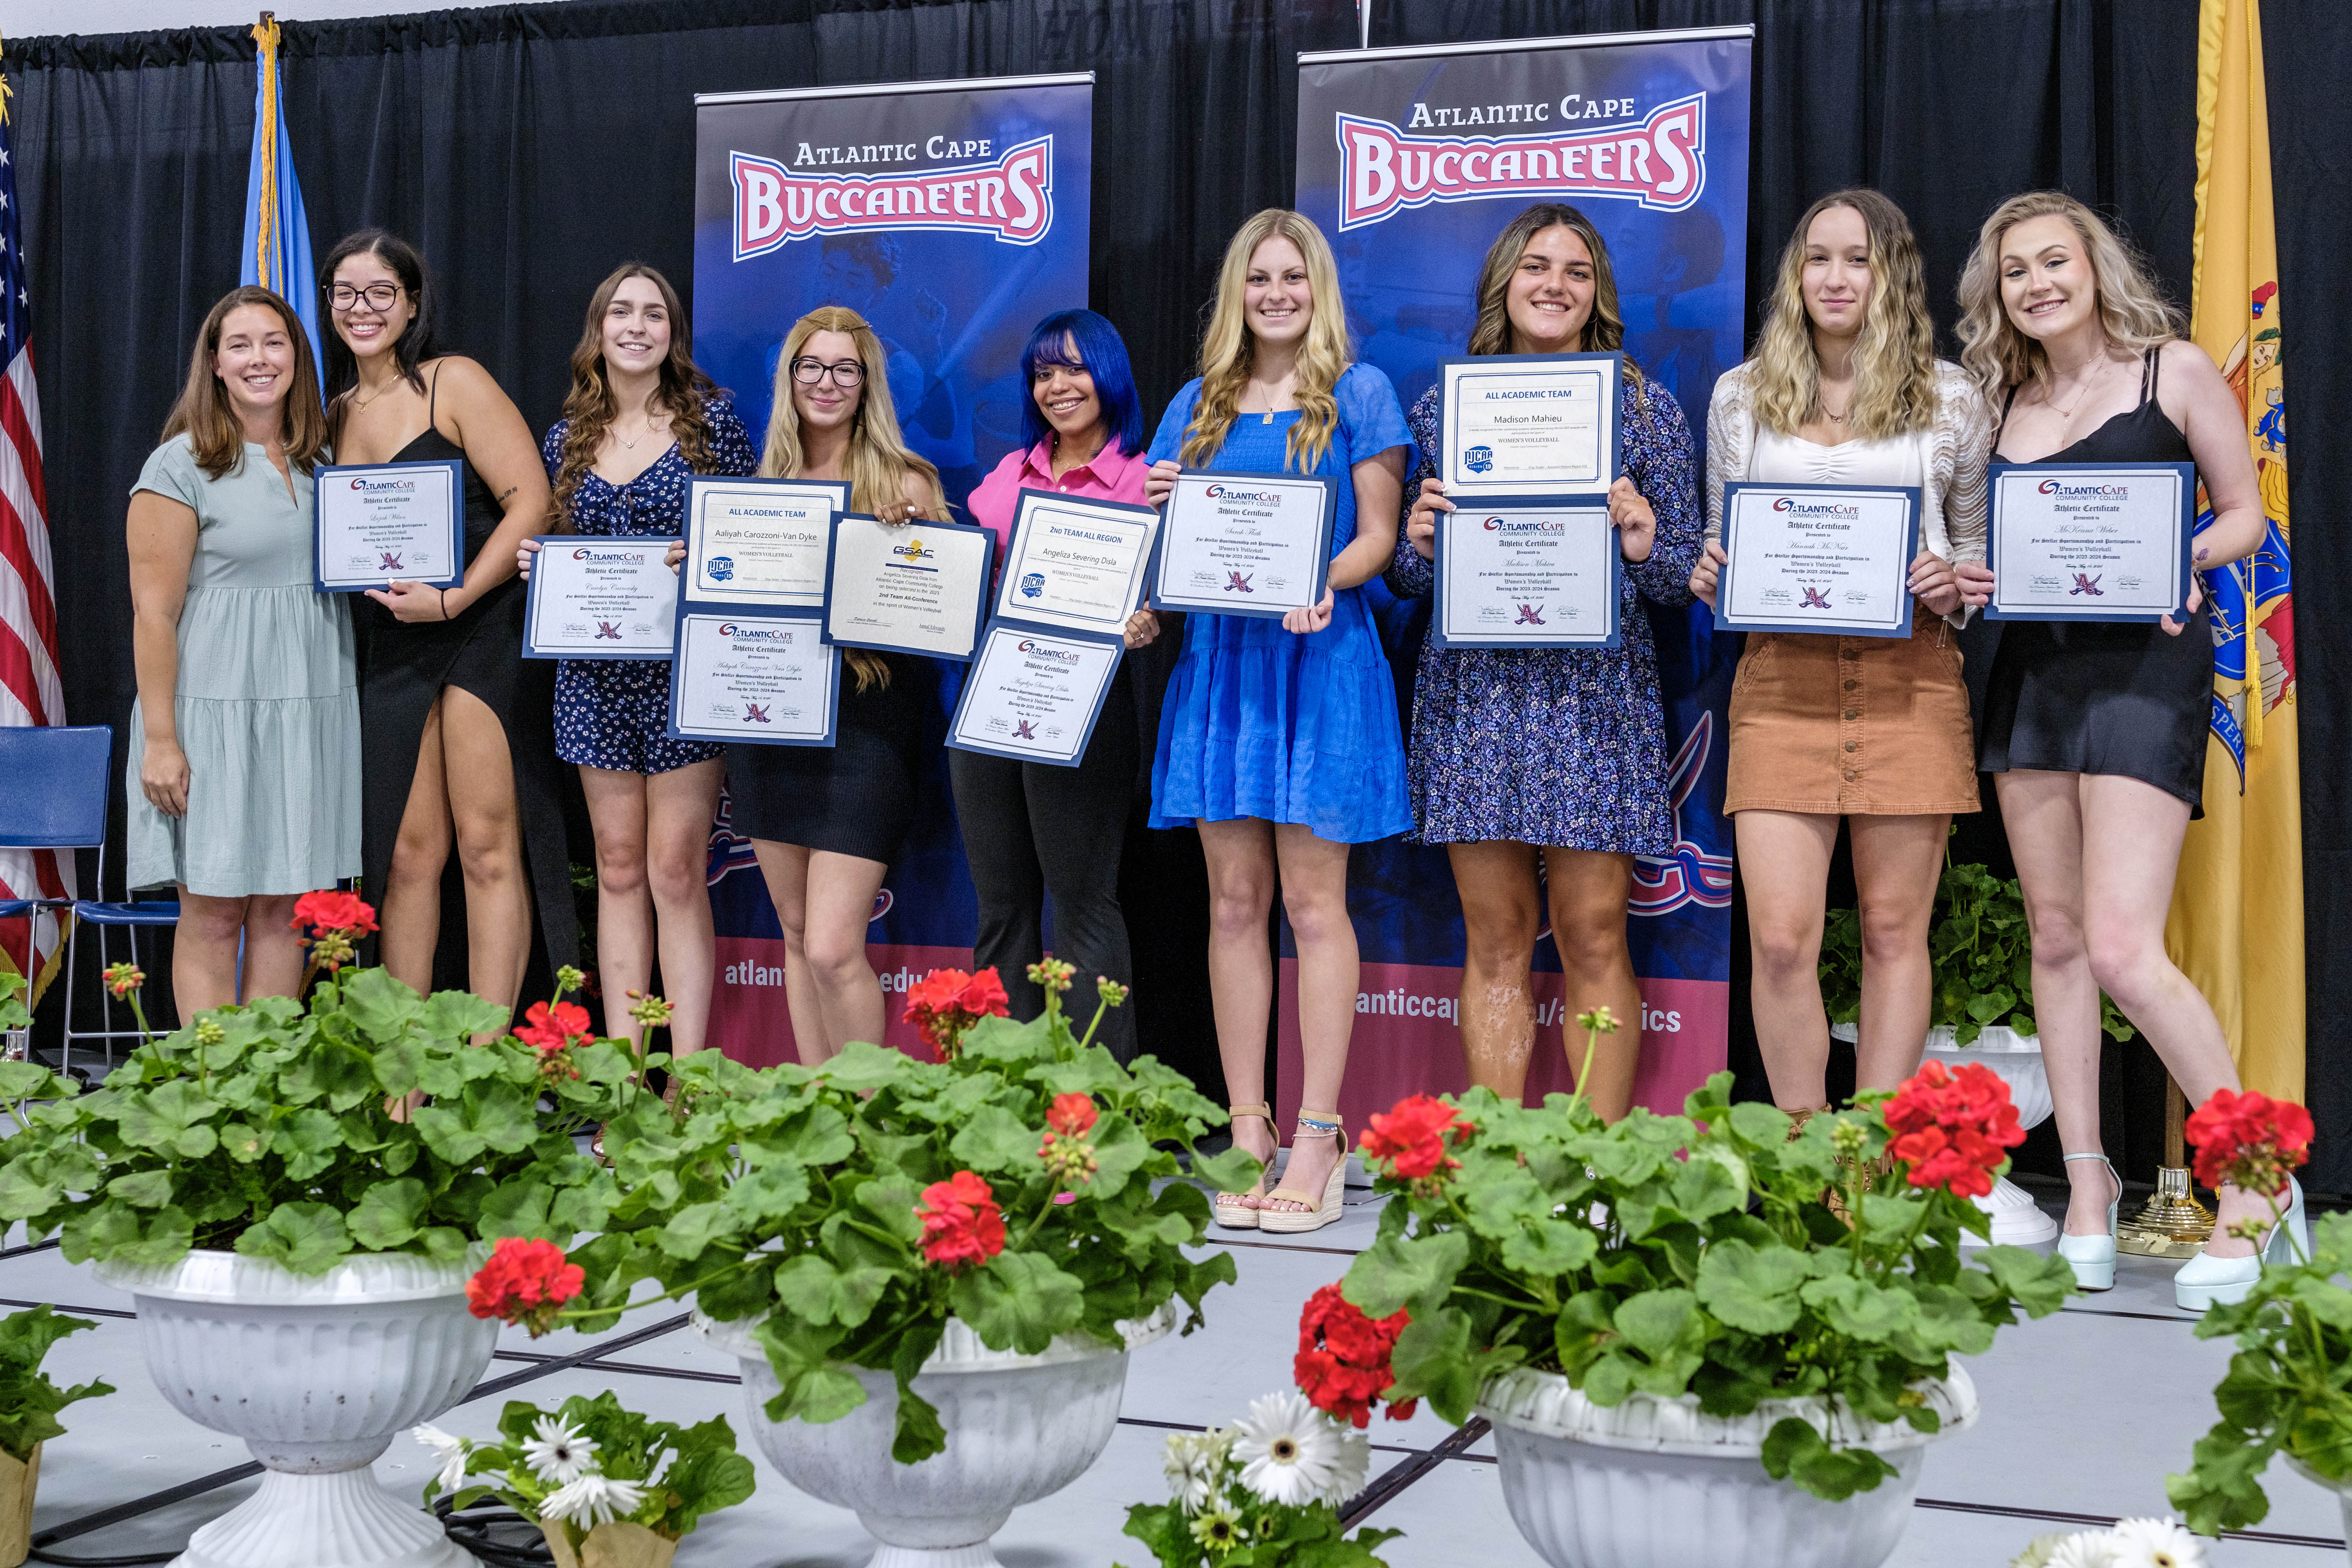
{"points": [[612, 712]]}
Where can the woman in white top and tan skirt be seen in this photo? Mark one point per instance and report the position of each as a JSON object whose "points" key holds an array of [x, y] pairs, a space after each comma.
{"points": [[1844, 388]]}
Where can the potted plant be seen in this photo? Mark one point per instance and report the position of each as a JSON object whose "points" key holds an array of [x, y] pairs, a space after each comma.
{"points": [[932, 1272], [604, 1485], [29, 1402], [298, 1241], [1671, 1306]]}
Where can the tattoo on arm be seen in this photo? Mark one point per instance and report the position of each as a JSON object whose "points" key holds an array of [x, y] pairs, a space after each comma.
{"points": [[508, 491], [2202, 552]]}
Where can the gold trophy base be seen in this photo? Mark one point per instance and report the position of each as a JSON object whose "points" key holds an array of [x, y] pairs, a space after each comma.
{"points": [[2173, 1224]]}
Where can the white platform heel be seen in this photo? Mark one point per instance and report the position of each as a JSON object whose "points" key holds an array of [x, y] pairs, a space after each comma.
{"points": [[2093, 1257], [2208, 1282]]}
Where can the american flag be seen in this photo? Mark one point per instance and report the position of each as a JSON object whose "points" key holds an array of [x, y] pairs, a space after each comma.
{"points": [[29, 693]]}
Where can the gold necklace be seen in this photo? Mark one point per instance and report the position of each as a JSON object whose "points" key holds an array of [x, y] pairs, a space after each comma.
{"points": [[632, 446], [2067, 413]]}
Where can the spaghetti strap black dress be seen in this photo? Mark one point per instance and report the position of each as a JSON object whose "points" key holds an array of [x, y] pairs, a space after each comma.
{"points": [[2125, 698], [404, 665]]}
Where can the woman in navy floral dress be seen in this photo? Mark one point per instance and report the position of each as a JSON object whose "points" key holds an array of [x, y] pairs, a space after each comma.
{"points": [[640, 420], [1553, 758]]}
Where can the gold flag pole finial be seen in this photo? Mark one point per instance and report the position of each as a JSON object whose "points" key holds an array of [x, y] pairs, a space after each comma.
{"points": [[6, 90]]}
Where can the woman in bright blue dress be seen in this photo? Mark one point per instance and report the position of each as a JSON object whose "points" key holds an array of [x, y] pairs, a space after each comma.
{"points": [[1279, 738]]}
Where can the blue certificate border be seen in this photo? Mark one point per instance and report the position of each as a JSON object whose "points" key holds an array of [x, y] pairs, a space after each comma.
{"points": [[697, 483], [1028, 497], [457, 471], [1902, 629], [1162, 599], [548, 541], [1094, 715], [979, 599], [2187, 473], [1610, 434], [1504, 507], [747, 612]]}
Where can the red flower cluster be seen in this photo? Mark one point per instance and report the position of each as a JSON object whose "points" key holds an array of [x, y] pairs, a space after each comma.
{"points": [[123, 979], [1065, 1150], [1342, 1364], [962, 1223], [1952, 1129], [550, 1030], [945, 1003], [524, 1282], [1072, 1114], [1412, 1137], [2249, 1141], [331, 910]]}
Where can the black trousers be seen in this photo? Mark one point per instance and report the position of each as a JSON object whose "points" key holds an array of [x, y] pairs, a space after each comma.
{"points": [[1030, 829]]}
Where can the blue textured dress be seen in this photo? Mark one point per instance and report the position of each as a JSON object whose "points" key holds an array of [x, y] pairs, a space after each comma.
{"points": [[614, 713], [1263, 723]]}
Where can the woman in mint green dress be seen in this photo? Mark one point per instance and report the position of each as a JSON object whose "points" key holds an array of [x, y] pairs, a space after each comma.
{"points": [[244, 774]]}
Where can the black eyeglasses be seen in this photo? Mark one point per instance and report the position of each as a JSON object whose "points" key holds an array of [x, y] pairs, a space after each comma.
{"points": [[379, 295], [808, 371]]}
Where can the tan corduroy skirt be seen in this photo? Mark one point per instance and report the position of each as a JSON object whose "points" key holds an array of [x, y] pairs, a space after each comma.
{"points": [[1852, 726]]}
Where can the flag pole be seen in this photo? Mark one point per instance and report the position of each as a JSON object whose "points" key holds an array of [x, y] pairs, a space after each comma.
{"points": [[2172, 1223]]}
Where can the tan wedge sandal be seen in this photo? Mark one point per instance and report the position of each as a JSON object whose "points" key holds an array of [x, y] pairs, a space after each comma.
{"points": [[1316, 1215], [1230, 1209]]}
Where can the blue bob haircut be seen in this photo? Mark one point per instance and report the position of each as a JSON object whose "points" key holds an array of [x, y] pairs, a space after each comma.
{"points": [[1101, 355]]}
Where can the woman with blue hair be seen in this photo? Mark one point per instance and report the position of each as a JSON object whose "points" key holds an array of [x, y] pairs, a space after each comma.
{"points": [[1030, 829]]}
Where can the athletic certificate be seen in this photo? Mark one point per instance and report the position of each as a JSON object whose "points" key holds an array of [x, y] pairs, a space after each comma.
{"points": [[758, 677], [1818, 558], [1076, 564], [388, 522], [1514, 575], [919, 587], [1529, 424], [758, 541], [600, 598], [2077, 542], [1034, 695], [1246, 544]]}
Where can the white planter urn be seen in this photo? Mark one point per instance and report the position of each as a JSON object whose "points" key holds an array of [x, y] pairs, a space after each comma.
{"points": [[1656, 1483], [2343, 1492], [2017, 1220], [317, 1373], [1019, 1428]]}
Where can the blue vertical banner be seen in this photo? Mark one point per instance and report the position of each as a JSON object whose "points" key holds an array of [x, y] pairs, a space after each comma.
{"points": [[277, 230], [1412, 160], [951, 215]]}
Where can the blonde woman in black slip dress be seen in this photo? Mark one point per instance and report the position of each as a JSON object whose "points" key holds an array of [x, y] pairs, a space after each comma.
{"points": [[455, 738], [2096, 732]]}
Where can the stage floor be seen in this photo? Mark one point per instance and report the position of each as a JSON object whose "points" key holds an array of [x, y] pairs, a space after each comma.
{"points": [[2084, 1414]]}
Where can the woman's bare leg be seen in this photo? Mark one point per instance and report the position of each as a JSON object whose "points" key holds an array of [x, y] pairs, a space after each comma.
{"points": [[1784, 866], [1589, 893], [1495, 882]]}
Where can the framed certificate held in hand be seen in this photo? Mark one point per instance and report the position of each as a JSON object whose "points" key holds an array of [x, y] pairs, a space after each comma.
{"points": [[1076, 566], [1519, 575], [1246, 544], [388, 522], [1529, 424], [2091, 542], [600, 598], [758, 541], [1818, 558], [760, 676], [917, 587]]}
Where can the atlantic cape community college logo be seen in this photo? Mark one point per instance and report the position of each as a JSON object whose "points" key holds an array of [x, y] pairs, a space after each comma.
{"points": [[1661, 162], [1010, 199]]}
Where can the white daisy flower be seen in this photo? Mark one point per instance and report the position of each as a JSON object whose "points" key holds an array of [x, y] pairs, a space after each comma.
{"points": [[2156, 1544], [592, 1499], [2037, 1551], [556, 1454], [1292, 1453], [2088, 1549], [1195, 1465], [448, 1452]]}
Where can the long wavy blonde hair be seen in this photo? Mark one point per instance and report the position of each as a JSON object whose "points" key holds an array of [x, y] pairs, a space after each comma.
{"points": [[1230, 349], [1604, 328], [1895, 361], [2134, 313], [879, 459]]}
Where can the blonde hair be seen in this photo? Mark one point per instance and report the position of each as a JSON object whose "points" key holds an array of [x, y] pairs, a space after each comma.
{"points": [[1229, 349], [2132, 312], [1604, 328], [879, 459], [1894, 359]]}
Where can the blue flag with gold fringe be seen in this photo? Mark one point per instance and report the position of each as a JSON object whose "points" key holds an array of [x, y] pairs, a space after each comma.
{"points": [[277, 231]]}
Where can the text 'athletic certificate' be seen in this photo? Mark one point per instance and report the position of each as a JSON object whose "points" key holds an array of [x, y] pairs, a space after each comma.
{"points": [[758, 541], [388, 522], [1034, 695], [600, 598], [2076, 542], [1527, 577], [1818, 558], [1076, 564], [756, 675], [1529, 424], [1246, 544], [916, 587]]}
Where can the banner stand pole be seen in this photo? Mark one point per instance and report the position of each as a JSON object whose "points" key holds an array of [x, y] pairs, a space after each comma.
{"points": [[2173, 1224]]}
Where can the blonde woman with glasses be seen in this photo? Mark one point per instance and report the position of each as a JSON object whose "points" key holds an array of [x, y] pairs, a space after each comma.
{"points": [[1844, 388], [1279, 738]]}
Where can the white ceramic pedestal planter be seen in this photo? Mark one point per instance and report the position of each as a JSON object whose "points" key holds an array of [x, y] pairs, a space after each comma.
{"points": [[2017, 1220], [1655, 1483], [317, 1373], [1019, 1428]]}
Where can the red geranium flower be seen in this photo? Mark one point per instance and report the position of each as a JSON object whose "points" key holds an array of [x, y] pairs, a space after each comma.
{"points": [[2249, 1141], [1953, 1128], [524, 1282], [1342, 1364], [961, 1224], [945, 1003], [549, 1029], [1412, 1137], [332, 911], [1072, 1114]]}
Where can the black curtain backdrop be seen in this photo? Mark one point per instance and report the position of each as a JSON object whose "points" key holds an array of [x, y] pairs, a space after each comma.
{"points": [[528, 149]]}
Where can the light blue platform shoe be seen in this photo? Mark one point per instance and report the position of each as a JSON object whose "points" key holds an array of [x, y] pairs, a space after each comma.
{"points": [[2093, 1257], [2208, 1282]]}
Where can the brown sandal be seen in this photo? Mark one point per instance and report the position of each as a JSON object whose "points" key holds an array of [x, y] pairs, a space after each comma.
{"points": [[1231, 1209]]}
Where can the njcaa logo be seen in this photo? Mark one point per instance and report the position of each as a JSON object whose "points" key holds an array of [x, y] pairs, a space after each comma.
{"points": [[2083, 492], [1477, 459], [1815, 508], [1660, 163], [1009, 200], [1255, 498], [1032, 585], [720, 568]]}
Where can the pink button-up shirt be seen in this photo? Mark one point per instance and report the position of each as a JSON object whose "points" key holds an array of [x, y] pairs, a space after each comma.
{"points": [[1110, 475]]}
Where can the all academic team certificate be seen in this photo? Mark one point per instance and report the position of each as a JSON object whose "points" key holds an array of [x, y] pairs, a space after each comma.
{"points": [[388, 522], [1246, 544], [1529, 424], [917, 588], [761, 678], [1516, 577], [758, 541], [2075, 542], [1034, 695], [600, 598], [1076, 564], [1818, 558]]}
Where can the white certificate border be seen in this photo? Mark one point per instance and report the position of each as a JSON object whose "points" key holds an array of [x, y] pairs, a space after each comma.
{"points": [[2184, 475], [456, 469], [978, 597], [748, 613], [1451, 372], [1326, 521], [1118, 646], [532, 648], [1613, 637], [1726, 621], [699, 484], [1146, 563]]}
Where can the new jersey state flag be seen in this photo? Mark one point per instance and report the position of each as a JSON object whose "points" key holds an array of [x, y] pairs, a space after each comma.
{"points": [[2236, 925]]}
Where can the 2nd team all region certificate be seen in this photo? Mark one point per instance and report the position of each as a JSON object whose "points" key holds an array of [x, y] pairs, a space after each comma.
{"points": [[1518, 575], [1246, 544], [595, 597], [754, 676], [758, 541], [1818, 558], [388, 522], [1529, 424], [2079, 541], [1075, 564]]}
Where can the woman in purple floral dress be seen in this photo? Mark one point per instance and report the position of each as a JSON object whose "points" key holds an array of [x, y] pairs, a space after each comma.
{"points": [[1553, 758]]}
